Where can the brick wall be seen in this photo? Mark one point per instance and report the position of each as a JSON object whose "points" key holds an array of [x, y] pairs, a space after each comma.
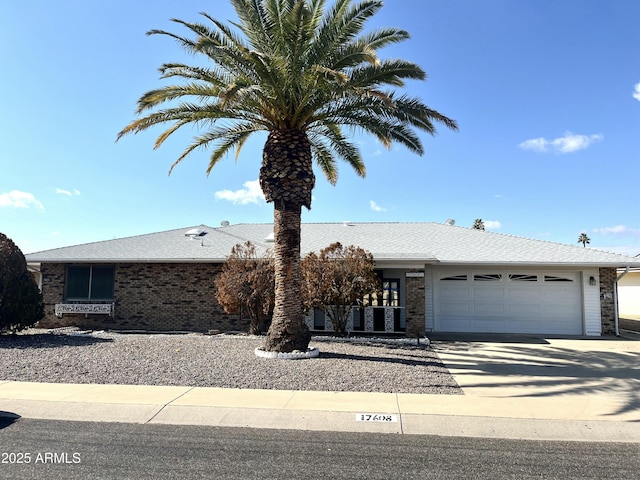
{"points": [[415, 311], [160, 297], [607, 307]]}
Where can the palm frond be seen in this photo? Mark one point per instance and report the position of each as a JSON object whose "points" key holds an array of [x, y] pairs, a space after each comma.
{"points": [[290, 64], [224, 140]]}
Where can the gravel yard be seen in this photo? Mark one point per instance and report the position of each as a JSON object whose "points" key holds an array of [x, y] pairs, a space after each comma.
{"points": [[67, 356]]}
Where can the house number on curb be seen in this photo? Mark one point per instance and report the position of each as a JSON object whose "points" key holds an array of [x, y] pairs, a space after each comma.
{"points": [[375, 417]]}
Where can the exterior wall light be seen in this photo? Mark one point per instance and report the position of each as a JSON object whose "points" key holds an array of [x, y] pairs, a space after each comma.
{"points": [[592, 280]]}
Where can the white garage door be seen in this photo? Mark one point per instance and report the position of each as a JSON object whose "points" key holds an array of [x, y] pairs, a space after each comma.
{"points": [[508, 302]]}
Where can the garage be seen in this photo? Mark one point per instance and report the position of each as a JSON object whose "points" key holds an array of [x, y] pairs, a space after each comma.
{"points": [[508, 301]]}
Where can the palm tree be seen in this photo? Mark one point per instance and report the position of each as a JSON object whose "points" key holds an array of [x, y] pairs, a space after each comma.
{"points": [[300, 71], [478, 224], [583, 239]]}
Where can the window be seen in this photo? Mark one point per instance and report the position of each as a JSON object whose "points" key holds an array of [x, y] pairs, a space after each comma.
{"points": [[455, 278], [553, 278], [522, 277], [487, 277], [89, 283], [389, 295], [318, 319]]}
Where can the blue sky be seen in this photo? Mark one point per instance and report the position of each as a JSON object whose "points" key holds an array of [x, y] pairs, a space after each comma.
{"points": [[546, 93]]}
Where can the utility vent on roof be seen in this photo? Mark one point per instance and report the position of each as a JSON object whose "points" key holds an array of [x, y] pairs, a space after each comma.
{"points": [[270, 238], [195, 232]]}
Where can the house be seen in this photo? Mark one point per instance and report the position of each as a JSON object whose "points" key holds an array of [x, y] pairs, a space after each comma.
{"points": [[435, 278], [629, 292]]}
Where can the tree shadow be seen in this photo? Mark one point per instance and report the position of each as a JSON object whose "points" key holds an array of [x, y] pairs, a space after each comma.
{"points": [[555, 370], [48, 340], [7, 419], [466, 338], [413, 360]]}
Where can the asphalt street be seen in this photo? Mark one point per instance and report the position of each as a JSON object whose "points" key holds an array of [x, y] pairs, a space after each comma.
{"points": [[34, 449]]}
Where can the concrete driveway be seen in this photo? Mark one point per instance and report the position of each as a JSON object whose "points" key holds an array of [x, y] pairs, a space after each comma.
{"points": [[599, 378]]}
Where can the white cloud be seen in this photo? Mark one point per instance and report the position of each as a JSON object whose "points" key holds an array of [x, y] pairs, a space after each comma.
{"points": [[68, 193], [567, 144], [251, 193], [636, 91], [492, 224], [375, 207], [618, 230], [536, 144], [18, 199]]}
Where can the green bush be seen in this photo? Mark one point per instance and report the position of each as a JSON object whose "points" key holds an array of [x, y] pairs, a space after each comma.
{"points": [[21, 304]]}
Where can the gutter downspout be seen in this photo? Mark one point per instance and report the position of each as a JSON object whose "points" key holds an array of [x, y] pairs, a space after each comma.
{"points": [[616, 317]]}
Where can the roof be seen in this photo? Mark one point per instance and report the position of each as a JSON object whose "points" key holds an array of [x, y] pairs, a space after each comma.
{"points": [[397, 243]]}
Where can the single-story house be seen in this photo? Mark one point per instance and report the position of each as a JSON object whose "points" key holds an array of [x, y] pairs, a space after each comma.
{"points": [[629, 292], [435, 278]]}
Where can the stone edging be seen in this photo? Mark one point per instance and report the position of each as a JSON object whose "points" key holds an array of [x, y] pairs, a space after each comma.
{"points": [[310, 353]]}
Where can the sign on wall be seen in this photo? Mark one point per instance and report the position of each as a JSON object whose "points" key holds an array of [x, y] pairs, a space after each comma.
{"points": [[86, 308]]}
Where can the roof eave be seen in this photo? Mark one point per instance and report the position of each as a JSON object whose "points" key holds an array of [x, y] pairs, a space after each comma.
{"points": [[129, 260]]}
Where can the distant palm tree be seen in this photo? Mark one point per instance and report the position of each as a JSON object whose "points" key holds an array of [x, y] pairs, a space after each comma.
{"points": [[302, 72], [478, 224], [583, 239]]}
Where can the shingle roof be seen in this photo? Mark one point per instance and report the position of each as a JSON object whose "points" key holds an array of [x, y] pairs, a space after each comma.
{"points": [[406, 243]]}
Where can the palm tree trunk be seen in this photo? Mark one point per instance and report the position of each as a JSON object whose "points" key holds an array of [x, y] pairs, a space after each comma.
{"points": [[288, 331], [287, 179]]}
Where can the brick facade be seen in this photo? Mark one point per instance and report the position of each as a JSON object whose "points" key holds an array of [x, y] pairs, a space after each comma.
{"points": [[415, 307], [608, 278], [149, 296], [181, 297]]}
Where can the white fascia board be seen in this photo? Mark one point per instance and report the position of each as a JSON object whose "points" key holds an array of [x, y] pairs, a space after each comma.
{"points": [[408, 264], [537, 264]]}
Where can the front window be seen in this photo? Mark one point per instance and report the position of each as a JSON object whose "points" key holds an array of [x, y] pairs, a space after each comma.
{"points": [[89, 283], [388, 296]]}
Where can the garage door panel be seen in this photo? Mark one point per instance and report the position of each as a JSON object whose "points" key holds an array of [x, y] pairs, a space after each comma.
{"points": [[489, 309], [457, 324], [519, 302], [488, 294], [457, 293], [561, 295], [516, 294], [454, 308], [559, 311], [490, 324], [523, 310]]}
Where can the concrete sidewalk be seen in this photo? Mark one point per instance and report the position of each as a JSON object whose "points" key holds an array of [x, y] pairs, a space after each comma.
{"points": [[554, 390]]}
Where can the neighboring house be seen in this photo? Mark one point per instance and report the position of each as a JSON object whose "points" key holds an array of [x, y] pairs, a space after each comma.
{"points": [[435, 278], [629, 293]]}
